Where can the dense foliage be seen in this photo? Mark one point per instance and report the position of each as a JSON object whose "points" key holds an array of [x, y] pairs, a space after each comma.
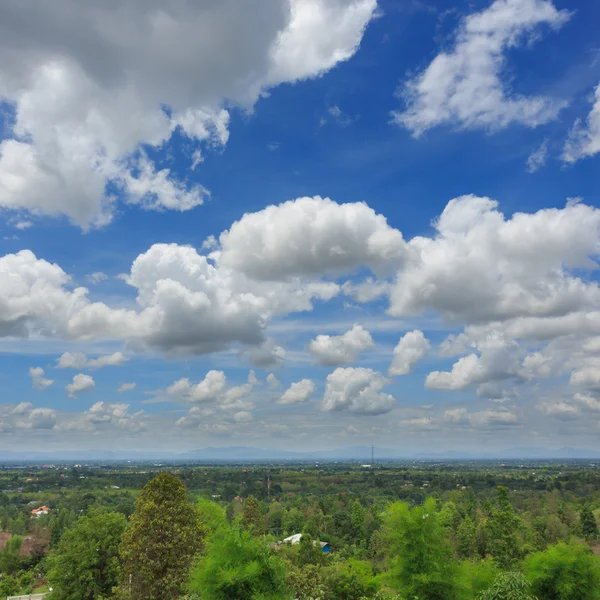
{"points": [[415, 531]]}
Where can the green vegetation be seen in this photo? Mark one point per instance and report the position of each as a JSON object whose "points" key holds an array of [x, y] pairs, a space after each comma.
{"points": [[414, 531]]}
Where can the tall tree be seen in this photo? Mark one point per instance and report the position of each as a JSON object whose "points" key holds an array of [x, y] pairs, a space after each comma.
{"points": [[504, 525], [85, 563], [588, 524], [252, 518], [161, 542], [420, 558]]}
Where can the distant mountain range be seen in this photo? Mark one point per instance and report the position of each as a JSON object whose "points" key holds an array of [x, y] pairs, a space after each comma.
{"points": [[249, 454]]}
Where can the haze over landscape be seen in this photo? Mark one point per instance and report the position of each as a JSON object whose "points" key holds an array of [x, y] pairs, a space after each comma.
{"points": [[301, 227]]}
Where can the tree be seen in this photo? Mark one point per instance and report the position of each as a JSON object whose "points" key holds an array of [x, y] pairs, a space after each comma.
{"points": [[588, 524], [564, 572], [252, 518], [420, 559], [508, 586], [503, 527], [238, 566], [466, 537], [85, 563], [10, 558], [161, 542]]}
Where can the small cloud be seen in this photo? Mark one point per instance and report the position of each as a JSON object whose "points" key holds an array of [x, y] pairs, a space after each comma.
{"points": [[81, 383], [197, 158], [537, 159], [39, 380], [273, 146], [96, 278], [340, 117], [126, 387], [23, 225]]}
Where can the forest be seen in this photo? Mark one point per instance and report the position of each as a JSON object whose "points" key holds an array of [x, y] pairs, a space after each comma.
{"points": [[397, 531]]}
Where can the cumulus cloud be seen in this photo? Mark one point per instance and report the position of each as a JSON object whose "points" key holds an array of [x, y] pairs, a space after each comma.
{"points": [[411, 348], [310, 237], [341, 349], [110, 71], [78, 360], [498, 360], [463, 87], [357, 390], [126, 387], [81, 383], [28, 417], [584, 138], [482, 267], [96, 277], [214, 389], [272, 381], [105, 415], [300, 391], [38, 379]]}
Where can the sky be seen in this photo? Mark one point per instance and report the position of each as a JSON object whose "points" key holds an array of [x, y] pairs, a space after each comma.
{"points": [[299, 224]]}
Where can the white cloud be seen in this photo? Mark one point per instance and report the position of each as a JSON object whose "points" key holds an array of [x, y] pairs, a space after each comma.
{"points": [[242, 417], [213, 389], [537, 159], [39, 381], [340, 117], [463, 86], [483, 419], [498, 360], [341, 349], [482, 267], [105, 415], [96, 277], [411, 348], [587, 401], [366, 291], [34, 418], [90, 91], [310, 237], [272, 381], [78, 360], [126, 387], [560, 410], [357, 390], [584, 140], [23, 225], [300, 391], [587, 377], [81, 383]]}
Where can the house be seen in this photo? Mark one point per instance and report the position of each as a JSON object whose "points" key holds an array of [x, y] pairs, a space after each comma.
{"points": [[38, 512], [295, 539]]}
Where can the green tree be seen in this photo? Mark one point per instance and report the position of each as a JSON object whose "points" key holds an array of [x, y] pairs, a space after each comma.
{"points": [[351, 580], [357, 522], [508, 586], [211, 515], [503, 527], [85, 563], [564, 572], [420, 559], [252, 518], [466, 537], [10, 558], [161, 542], [238, 566], [588, 524]]}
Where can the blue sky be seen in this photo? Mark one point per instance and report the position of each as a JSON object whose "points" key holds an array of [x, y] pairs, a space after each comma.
{"points": [[125, 148]]}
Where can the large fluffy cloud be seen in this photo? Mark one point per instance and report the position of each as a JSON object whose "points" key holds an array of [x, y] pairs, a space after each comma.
{"points": [[357, 390], [464, 87], [341, 349], [81, 383], [482, 267], [89, 84], [310, 237]]}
